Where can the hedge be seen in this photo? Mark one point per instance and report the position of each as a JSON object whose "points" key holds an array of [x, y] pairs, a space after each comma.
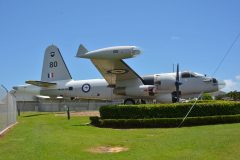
{"points": [[147, 111], [163, 122]]}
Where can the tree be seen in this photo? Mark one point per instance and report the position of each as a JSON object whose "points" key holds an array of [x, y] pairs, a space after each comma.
{"points": [[234, 95], [206, 96]]}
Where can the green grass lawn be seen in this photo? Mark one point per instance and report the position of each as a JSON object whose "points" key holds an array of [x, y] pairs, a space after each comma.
{"points": [[46, 136]]}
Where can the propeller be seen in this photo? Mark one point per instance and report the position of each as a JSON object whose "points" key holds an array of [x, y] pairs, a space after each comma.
{"points": [[177, 84]]}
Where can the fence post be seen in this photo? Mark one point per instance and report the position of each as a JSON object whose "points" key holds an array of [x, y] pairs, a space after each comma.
{"points": [[7, 98], [18, 111], [68, 112]]}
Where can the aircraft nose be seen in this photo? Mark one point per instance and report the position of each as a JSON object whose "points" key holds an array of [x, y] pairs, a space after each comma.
{"points": [[221, 84], [136, 51], [214, 80], [15, 88]]}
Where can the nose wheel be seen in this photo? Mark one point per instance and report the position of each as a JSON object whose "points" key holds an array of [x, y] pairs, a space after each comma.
{"points": [[175, 96]]}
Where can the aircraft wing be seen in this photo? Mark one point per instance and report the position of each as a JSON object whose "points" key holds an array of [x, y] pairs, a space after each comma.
{"points": [[41, 83], [117, 73]]}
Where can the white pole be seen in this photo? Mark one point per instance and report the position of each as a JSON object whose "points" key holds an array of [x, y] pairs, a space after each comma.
{"points": [[190, 110]]}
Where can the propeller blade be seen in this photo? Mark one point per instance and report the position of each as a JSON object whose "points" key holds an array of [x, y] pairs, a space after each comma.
{"points": [[177, 84], [177, 76]]}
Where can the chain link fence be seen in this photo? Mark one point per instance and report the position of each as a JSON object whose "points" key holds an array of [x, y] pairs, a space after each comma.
{"points": [[8, 111]]}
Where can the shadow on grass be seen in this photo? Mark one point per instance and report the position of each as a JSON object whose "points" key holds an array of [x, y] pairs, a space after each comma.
{"points": [[34, 115], [80, 125]]}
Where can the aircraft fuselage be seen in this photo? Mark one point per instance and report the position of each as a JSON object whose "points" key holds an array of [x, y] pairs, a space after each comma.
{"points": [[99, 89]]}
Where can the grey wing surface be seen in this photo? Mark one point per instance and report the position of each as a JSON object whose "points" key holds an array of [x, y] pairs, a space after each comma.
{"points": [[117, 73]]}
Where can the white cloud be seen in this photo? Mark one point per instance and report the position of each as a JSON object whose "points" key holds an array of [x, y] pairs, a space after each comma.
{"points": [[231, 85], [238, 77]]}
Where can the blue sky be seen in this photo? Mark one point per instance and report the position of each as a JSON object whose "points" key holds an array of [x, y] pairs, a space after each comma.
{"points": [[194, 33]]}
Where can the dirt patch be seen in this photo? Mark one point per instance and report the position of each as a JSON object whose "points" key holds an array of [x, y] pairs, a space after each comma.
{"points": [[84, 113], [108, 149]]}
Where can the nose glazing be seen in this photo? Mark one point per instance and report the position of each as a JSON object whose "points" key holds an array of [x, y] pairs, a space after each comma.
{"points": [[15, 88], [136, 51], [214, 80], [221, 84]]}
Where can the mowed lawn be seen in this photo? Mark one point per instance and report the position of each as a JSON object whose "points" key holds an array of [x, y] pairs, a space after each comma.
{"points": [[43, 136]]}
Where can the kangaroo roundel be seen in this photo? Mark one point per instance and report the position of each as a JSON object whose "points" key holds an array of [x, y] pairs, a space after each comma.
{"points": [[52, 54], [86, 87]]}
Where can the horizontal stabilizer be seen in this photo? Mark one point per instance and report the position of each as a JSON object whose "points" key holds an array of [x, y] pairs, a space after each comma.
{"points": [[41, 83], [42, 97], [81, 51]]}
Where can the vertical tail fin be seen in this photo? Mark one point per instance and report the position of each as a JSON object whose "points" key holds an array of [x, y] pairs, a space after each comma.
{"points": [[81, 51], [54, 67]]}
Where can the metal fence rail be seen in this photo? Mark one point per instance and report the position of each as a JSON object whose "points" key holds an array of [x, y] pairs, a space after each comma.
{"points": [[7, 109]]}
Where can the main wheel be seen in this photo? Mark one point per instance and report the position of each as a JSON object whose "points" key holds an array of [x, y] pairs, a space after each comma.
{"points": [[129, 101], [143, 101]]}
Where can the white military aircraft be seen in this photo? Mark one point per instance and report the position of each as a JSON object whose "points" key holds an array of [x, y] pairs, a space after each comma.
{"points": [[120, 81]]}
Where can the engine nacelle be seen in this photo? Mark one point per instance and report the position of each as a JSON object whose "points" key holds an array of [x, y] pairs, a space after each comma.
{"points": [[164, 98], [117, 52], [165, 83], [141, 91]]}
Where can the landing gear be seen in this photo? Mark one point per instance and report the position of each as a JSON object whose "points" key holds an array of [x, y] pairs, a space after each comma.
{"points": [[175, 96], [143, 101], [129, 101]]}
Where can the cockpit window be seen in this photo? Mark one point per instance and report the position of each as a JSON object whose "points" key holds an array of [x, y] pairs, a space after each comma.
{"points": [[185, 75], [188, 75], [192, 75]]}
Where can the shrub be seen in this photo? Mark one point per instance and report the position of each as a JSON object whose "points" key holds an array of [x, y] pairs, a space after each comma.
{"points": [[147, 111], [166, 122], [95, 120], [206, 96]]}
